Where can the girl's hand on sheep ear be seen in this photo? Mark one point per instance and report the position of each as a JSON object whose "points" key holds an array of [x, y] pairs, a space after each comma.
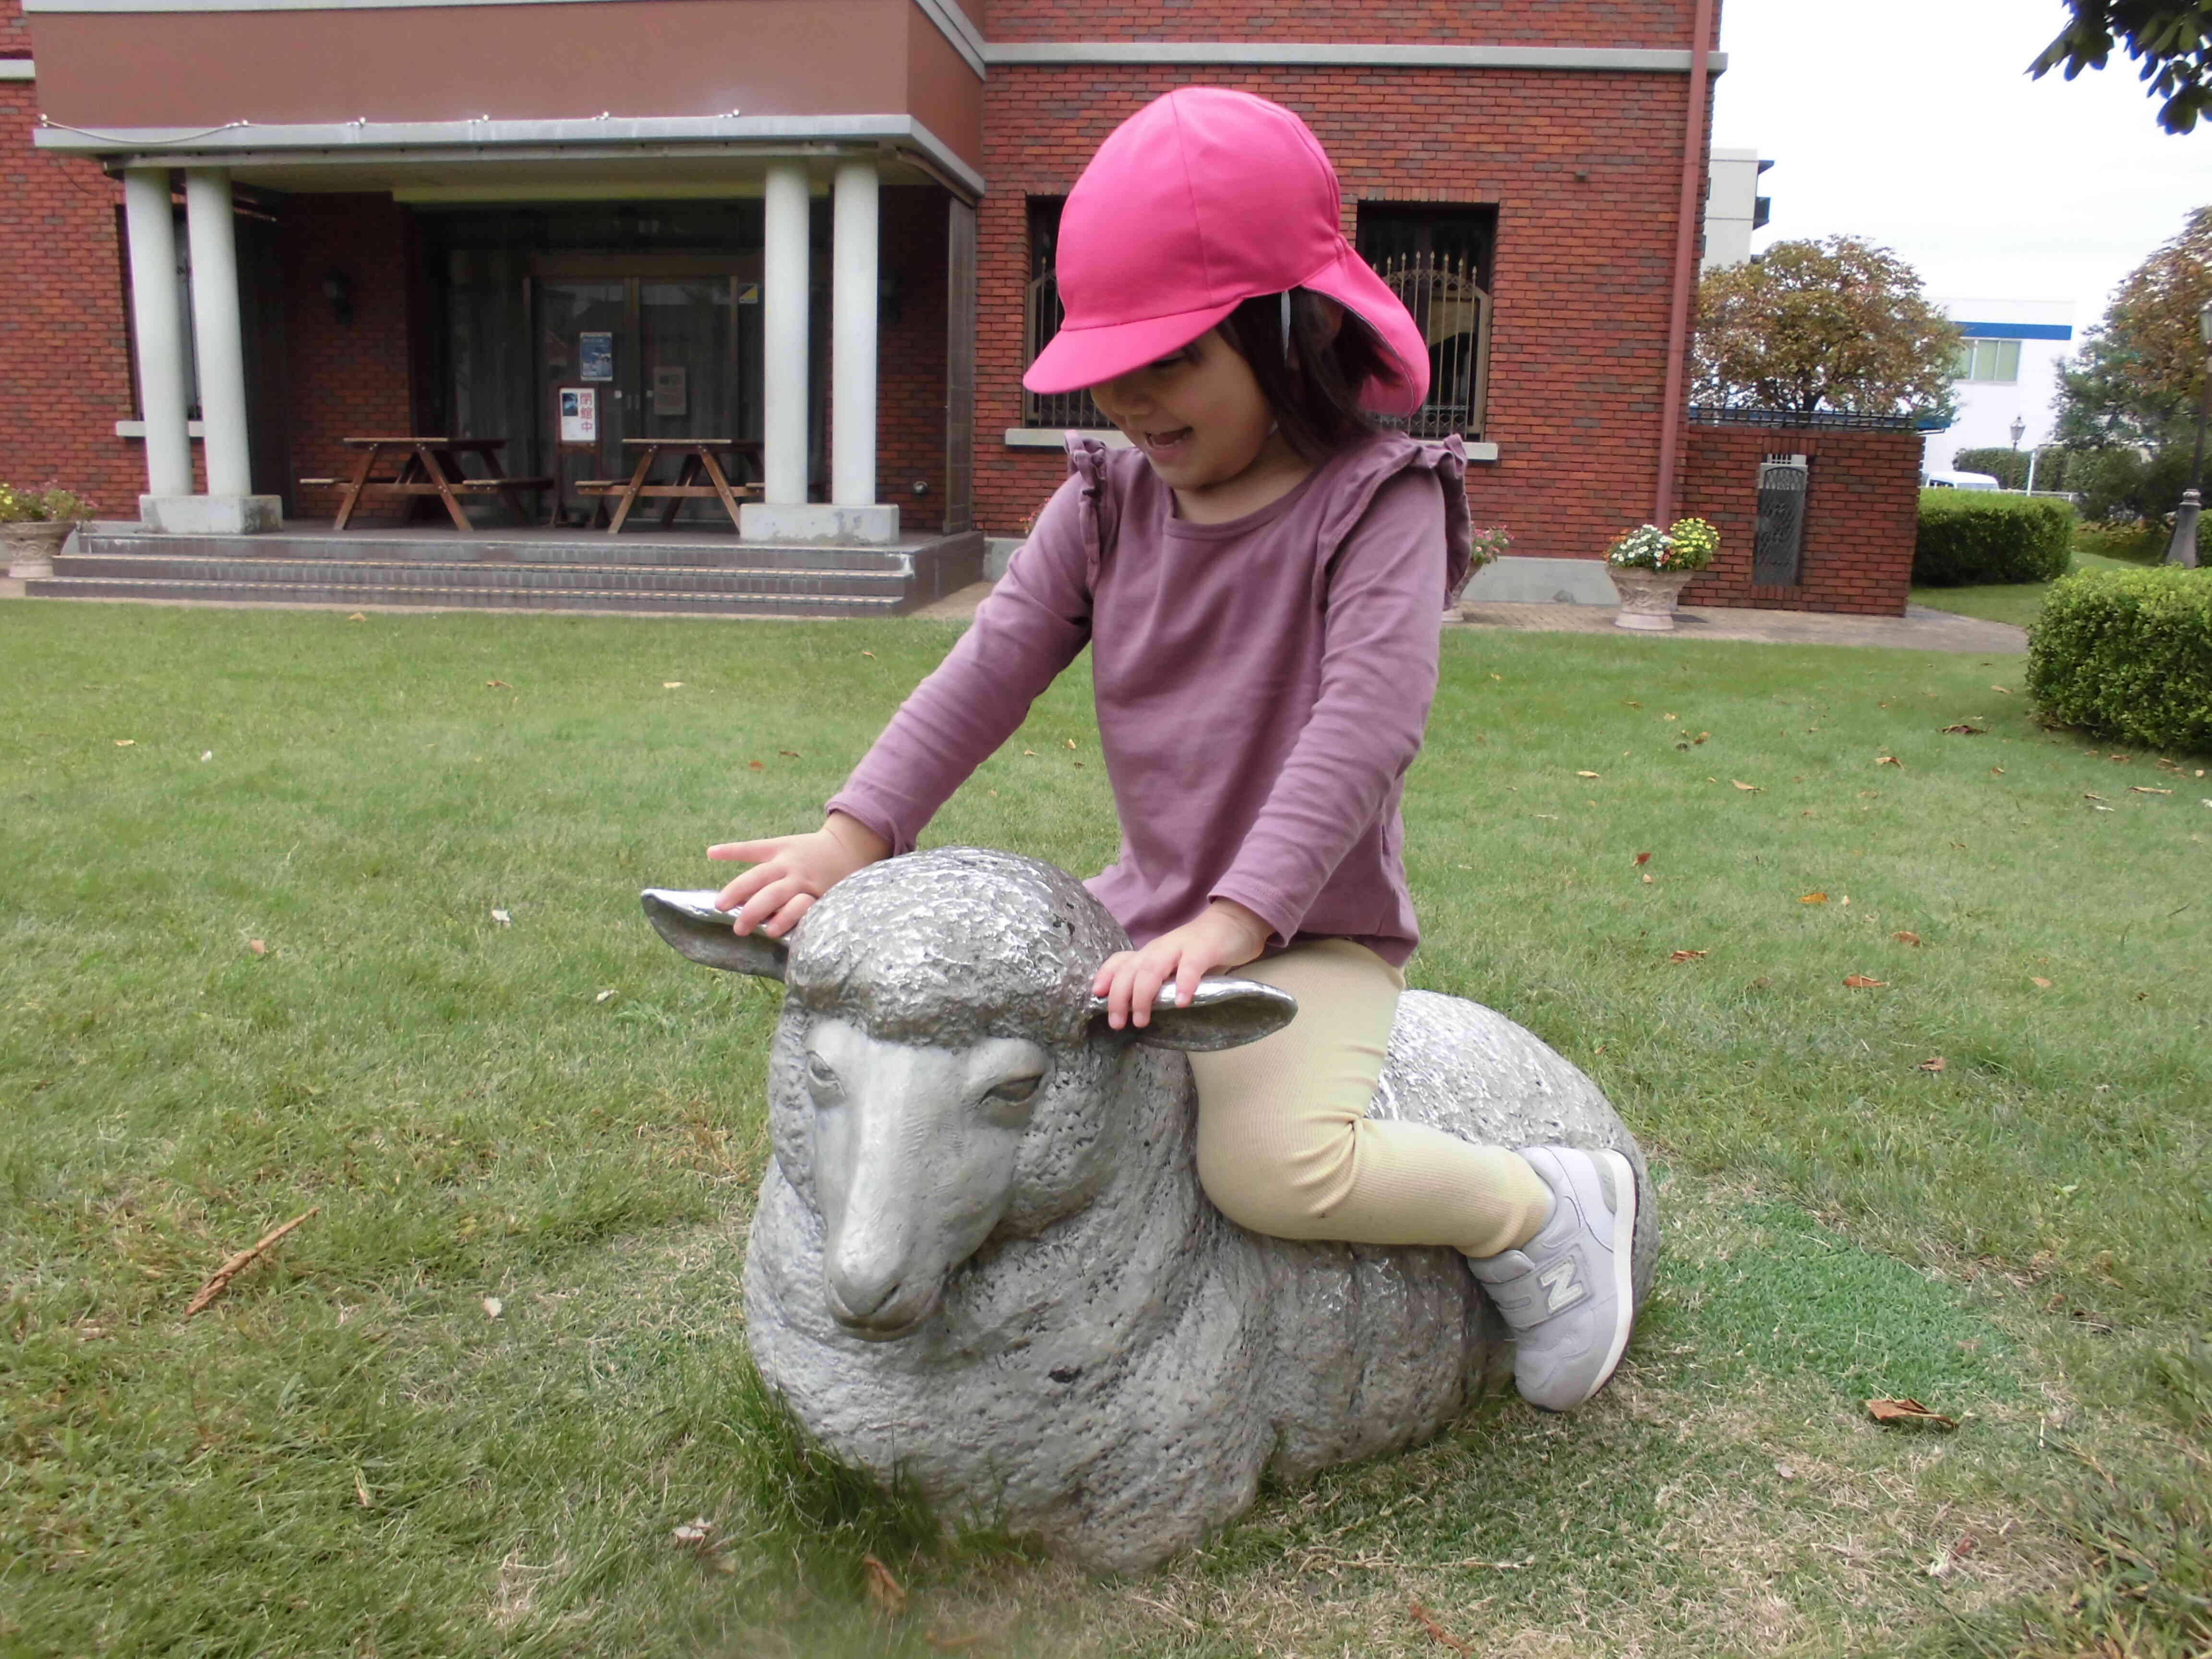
{"points": [[1225, 935], [790, 872]]}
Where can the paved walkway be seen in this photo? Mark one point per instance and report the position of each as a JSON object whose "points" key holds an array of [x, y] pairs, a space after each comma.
{"points": [[1918, 629]]}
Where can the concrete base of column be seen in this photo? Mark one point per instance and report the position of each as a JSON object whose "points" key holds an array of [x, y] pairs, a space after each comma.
{"points": [[1512, 580], [211, 516], [845, 526]]}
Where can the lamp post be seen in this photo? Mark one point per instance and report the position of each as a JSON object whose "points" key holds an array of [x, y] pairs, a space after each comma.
{"points": [[2182, 549], [2019, 429]]}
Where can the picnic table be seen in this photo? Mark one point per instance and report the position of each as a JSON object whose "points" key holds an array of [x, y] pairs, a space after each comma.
{"points": [[430, 466], [700, 455]]}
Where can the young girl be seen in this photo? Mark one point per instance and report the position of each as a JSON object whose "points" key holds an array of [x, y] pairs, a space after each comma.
{"points": [[1259, 578]]}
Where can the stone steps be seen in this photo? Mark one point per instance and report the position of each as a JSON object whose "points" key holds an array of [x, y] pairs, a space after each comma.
{"points": [[520, 573]]}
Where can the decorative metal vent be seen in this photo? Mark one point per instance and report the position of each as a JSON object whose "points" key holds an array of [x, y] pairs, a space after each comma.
{"points": [[1777, 552], [1452, 310]]}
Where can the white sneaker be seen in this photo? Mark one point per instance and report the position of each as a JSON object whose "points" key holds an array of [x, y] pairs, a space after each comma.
{"points": [[1566, 1293]]}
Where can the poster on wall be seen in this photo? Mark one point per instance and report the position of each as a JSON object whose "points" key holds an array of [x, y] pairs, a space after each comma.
{"points": [[671, 395], [579, 415], [595, 354]]}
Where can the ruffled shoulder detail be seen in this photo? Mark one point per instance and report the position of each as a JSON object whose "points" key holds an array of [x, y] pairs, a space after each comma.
{"points": [[1105, 485], [1372, 464]]}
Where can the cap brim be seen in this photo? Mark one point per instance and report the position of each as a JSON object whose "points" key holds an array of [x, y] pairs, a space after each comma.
{"points": [[1352, 282], [1077, 357]]}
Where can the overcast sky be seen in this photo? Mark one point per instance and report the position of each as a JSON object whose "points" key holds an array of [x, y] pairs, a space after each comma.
{"points": [[1913, 123]]}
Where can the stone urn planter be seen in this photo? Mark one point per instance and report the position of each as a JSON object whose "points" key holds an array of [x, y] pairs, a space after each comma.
{"points": [[32, 544], [1648, 597]]}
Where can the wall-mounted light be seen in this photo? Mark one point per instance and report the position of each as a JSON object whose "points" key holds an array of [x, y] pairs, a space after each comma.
{"points": [[337, 288]]}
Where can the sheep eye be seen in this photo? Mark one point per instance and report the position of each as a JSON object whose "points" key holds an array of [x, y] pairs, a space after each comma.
{"points": [[820, 1072], [1016, 1091]]}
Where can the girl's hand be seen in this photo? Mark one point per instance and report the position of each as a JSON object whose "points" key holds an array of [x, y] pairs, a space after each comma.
{"points": [[1225, 935], [790, 872]]}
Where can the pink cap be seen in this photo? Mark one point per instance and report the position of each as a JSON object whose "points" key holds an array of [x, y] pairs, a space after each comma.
{"points": [[1201, 200]]}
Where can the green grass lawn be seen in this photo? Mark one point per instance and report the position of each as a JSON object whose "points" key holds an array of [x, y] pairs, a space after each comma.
{"points": [[252, 967], [2017, 603]]}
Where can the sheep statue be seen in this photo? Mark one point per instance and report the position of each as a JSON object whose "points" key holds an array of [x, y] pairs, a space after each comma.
{"points": [[982, 1257]]}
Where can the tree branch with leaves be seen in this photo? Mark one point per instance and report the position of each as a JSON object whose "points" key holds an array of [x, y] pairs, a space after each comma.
{"points": [[2171, 39]]}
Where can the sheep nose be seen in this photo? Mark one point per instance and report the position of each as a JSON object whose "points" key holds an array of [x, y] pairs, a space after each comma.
{"points": [[863, 1280]]}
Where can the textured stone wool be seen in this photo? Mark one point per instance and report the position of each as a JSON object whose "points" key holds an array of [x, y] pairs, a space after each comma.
{"points": [[1100, 1361]]}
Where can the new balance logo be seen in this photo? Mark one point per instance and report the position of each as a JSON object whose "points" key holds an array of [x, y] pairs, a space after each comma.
{"points": [[1562, 1288]]}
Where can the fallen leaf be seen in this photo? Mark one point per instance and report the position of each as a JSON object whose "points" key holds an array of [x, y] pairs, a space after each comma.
{"points": [[360, 1491], [493, 1306], [1643, 859], [2091, 794], [1861, 982], [671, 685], [1029, 751], [1812, 898], [1070, 742], [488, 684], [883, 1589], [219, 1280], [1903, 937], [357, 616], [1670, 717], [1701, 736], [1785, 1472], [1685, 956], [756, 766], [788, 753], [603, 996], [1845, 901], [1631, 702], [1753, 788], [1965, 731], [2000, 687], [502, 918], [1997, 771], [2039, 984], [258, 946], [1427, 1621], [207, 754], [1906, 1411], [1646, 880], [694, 1532], [1888, 760], [870, 655], [950, 1644], [2145, 789], [126, 743], [1932, 1063]]}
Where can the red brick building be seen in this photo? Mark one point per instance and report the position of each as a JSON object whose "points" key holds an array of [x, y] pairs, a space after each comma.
{"points": [[749, 215]]}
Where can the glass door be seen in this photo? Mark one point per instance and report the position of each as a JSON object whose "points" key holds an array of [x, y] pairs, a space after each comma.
{"points": [[689, 349], [587, 368]]}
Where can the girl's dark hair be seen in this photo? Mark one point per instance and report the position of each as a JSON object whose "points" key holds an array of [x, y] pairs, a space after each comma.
{"points": [[1314, 391]]}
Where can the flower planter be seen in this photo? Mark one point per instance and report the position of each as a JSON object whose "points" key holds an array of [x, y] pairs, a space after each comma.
{"points": [[32, 544], [1648, 597]]}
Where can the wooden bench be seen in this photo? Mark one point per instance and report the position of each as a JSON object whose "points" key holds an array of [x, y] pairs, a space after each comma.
{"points": [[432, 466]]}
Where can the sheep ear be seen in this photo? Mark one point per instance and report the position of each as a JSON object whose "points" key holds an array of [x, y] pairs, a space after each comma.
{"points": [[689, 921], [1225, 1013]]}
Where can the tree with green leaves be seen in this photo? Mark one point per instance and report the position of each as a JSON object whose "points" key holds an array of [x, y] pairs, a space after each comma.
{"points": [[1836, 325], [2139, 372], [2171, 39]]}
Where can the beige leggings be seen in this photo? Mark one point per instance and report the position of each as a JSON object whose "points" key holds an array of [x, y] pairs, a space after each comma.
{"points": [[1286, 1146]]}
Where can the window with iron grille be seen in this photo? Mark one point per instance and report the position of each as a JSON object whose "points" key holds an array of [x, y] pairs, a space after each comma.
{"points": [[1436, 257], [1059, 409]]}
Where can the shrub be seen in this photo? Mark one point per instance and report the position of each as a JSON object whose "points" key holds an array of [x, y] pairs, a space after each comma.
{"points": [[1687, 545], [1969, 536], [48, 503], [2127, 654]]}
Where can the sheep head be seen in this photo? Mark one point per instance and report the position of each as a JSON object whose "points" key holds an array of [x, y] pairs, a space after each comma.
{"points": [[942, 1074]]}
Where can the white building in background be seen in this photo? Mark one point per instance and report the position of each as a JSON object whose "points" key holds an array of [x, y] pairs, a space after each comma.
{"points": [[1734, 207], [2008, 371]]}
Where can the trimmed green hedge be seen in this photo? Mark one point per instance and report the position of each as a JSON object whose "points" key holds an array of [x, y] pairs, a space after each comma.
{"points": [[1969, 536], [2127, 654]]}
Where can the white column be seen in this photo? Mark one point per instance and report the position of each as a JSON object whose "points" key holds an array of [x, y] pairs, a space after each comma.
{"points": [[157, 317], [784, 275], [216, 331], [853, 336]]}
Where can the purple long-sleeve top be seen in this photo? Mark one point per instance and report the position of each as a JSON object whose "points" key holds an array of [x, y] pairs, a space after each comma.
{"points": [[1262, 686]]}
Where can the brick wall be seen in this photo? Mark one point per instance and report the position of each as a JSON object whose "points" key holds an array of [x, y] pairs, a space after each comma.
{"points": [[64, 345], [1583, 169], [1662, 23], [1862, 509], [910, 357], [345, 378]]}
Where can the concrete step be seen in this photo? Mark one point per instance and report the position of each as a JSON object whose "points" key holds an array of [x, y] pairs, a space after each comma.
{"points": [[737, 602], [492, 548], [349, 575]]}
